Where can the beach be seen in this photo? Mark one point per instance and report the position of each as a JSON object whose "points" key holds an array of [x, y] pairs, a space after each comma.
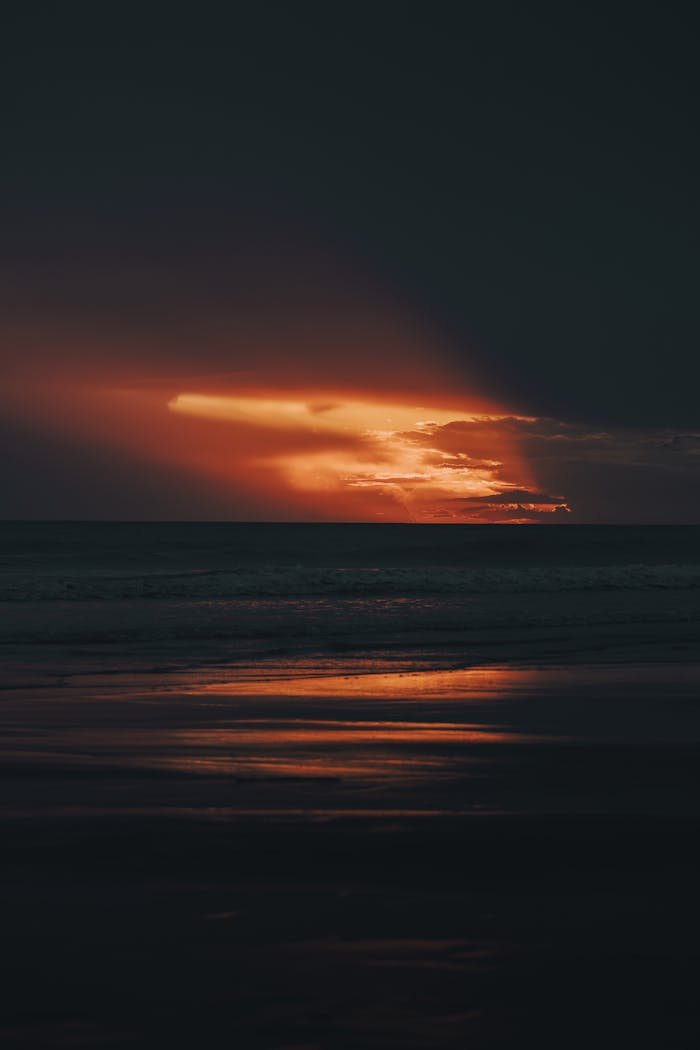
{"points": [[350, 786]]}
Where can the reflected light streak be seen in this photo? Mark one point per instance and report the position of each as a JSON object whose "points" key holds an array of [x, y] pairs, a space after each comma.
{"points": [[472, 682], [323, 415], [332, 749], [302, 765], [327, 733]]}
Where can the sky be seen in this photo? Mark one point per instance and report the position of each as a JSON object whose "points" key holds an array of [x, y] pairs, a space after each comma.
{"points": [[379, 263]]}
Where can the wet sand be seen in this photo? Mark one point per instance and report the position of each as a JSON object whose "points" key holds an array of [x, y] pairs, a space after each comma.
{"points": [[310, 857]]}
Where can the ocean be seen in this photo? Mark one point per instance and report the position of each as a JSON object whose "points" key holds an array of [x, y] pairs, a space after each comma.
{"points": [[322, 786], [190, 594]]}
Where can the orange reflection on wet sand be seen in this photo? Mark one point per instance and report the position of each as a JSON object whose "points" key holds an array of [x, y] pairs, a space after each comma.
{"points": [[302, 765], [405, 749], [331, 748], [272, 734], [399, 685], [326, 749], [203, 728]]}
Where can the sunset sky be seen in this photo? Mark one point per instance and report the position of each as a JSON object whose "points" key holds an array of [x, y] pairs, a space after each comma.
{"points": [[317, 266]]}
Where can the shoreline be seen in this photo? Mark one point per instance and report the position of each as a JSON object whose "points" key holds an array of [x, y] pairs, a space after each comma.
{"points": [[427, 860]]}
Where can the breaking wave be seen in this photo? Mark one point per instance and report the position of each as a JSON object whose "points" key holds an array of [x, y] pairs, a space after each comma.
{"points": [[302, 581]]}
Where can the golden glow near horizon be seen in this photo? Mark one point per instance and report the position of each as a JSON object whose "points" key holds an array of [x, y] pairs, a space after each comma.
{"points": [[321, 415], [381, 449]]}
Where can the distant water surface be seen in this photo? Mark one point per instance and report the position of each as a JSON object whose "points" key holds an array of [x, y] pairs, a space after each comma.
{"points": [[177, 593]]}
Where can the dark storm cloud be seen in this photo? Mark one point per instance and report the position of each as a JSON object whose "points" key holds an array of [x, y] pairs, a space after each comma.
{"points": [[513, 496], [613, 474], [563, 441], [503, 512]]}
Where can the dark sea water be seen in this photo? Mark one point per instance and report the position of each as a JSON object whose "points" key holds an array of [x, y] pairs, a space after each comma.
{"points": [[193, 593], [322, 786]]}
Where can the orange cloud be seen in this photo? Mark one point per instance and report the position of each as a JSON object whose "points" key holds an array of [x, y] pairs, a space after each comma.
{"points": [[375, 458], [293, 454]]}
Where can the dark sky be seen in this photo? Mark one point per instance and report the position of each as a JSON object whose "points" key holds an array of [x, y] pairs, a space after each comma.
{"points": [[520, 180]]}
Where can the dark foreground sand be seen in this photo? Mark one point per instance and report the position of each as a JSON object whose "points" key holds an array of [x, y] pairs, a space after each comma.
{"points": [[493, 857]]}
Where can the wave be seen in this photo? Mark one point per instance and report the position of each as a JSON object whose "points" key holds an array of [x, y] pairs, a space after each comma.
{"points": [[300, 581]]}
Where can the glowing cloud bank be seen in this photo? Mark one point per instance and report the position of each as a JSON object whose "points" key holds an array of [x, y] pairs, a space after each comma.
{"points": [[393, 460]]}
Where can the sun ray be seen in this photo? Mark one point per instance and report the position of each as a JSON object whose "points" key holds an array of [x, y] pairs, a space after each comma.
{"points": [[377, 450]]}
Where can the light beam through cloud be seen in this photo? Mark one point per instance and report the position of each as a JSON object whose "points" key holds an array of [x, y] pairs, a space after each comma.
{"points": [[384, 452]]}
